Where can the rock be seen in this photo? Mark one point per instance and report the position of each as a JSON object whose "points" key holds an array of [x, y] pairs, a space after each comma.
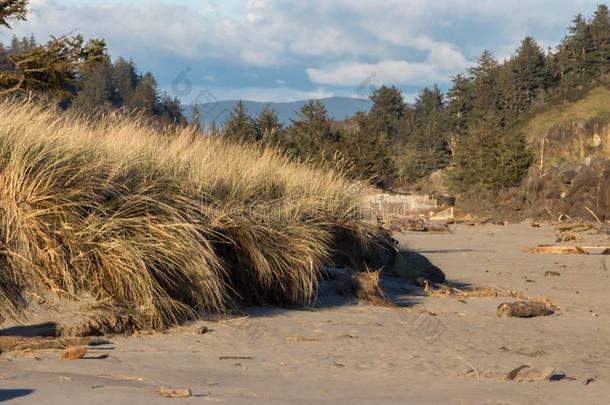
{"points": [[523, 309], [526, 373], [74, 353], [174, 392], [414, 267]]}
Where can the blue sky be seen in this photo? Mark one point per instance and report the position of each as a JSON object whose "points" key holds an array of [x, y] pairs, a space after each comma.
{"points": [[285, 50]]}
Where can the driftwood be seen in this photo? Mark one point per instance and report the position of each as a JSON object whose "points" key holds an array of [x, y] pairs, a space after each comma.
{"points": [[20, 343], [561, 250], [408, 224], [575, 227], [523, 309]]}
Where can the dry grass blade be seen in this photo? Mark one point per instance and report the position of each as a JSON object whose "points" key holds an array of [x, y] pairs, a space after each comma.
{"points": [[488, 291]]}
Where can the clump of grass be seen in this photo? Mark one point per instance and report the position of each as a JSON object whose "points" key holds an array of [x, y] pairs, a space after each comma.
{"points": [[487, 291], [160, 226]]}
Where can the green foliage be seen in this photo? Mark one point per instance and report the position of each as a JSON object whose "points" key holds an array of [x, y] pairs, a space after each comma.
{"points": [[367, 152], [196, 116], [96, 88], [387, 111], [12, 10], [171, 111], [428, 147], [268, 127], [240, 126], [311, 135], [49, 69], [527, 76], [489, 158]]}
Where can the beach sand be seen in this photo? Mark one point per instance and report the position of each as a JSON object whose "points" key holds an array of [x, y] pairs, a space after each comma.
{"points": [[428, 350]]}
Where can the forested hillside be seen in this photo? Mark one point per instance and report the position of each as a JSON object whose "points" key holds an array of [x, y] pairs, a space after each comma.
{"points": [[476, 132]]}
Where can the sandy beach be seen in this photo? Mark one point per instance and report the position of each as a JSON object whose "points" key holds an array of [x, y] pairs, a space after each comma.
{"points": [[427, 350]]}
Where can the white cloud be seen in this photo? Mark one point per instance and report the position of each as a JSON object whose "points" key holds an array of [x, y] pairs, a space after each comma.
{"points": [[411, 42], [442, 61]]}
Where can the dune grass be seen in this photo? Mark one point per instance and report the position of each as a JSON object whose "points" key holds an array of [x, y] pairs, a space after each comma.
{"points": [[160, 226]]}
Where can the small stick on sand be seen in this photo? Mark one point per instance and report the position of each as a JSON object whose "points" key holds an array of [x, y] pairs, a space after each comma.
{"points": [[474, 370], [594, 216]]}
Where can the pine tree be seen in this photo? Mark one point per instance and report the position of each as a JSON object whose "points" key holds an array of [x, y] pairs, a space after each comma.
{"points": [[268, 126], [527, 76], [311, 135], [600, 35], [15, 10], [96, 88], [125, 79], [196, 116], [575, 54], [170, 110], [367, 151], [387, 111], [145, 97], [459, 104], [240, 126], [44, 70], [95, 84], [428, 148]]}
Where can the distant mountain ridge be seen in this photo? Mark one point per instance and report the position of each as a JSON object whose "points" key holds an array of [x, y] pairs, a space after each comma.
{"points": [[338, 109]]}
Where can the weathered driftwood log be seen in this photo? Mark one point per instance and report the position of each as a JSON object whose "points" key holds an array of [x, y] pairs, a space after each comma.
{"points": [[17, 343], [560, 250], [523, 309]]}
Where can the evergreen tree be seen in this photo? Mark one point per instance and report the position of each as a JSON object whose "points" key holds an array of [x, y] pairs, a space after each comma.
{"points": [[95, 82], [196, 116], [527, 76], [268, 126], [96, 88], [15, 10], [44, 70], [311, 135], [171, 111], [125, 79], [145, 97], [367, 151], [387, 111], [240, 126], [428, 148], [575, 54], [600, 36], [459, 104]]}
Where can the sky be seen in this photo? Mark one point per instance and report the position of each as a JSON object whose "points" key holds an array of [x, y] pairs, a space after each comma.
{"points": [[286, 50]]}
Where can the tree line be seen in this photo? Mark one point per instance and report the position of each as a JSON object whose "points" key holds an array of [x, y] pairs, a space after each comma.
{"points": [[470, 131]]}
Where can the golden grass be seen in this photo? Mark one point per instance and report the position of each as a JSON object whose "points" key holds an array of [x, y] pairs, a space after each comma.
{"points": [[487, 291], [161, 227], [594, 104]]}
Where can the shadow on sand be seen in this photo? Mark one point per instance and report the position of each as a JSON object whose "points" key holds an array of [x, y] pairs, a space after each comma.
{"points": [[7, 395], [47, 329]]}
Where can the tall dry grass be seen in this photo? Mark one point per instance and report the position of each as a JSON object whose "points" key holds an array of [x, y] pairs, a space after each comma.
{"points": [[160, 226]]}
